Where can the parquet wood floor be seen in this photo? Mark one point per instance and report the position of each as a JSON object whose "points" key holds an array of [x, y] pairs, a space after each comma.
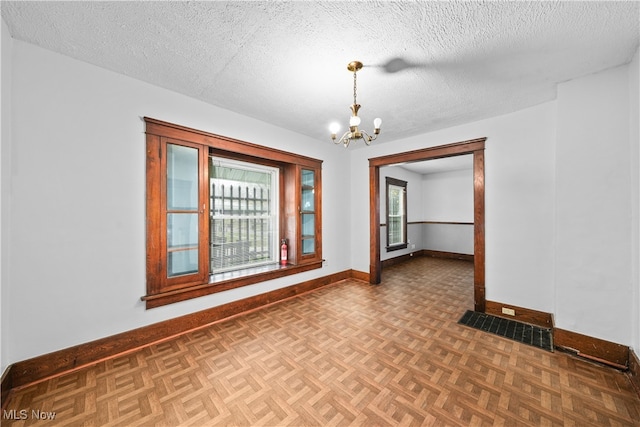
{"points": [[348, 354]]}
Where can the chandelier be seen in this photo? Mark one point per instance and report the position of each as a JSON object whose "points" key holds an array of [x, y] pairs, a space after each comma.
{"points": [[354, 133]]}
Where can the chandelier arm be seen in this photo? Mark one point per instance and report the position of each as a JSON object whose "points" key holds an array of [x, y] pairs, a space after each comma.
{"points": [[366, 137], [344, 136]]}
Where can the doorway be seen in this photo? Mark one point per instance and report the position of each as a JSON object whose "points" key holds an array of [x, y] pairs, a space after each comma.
{"points": [[474, 147]]}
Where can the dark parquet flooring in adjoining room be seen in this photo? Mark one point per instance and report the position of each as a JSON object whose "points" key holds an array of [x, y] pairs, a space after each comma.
{"points": [[347, 354]]}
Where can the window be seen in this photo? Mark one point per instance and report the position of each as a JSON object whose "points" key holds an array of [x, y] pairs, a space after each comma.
{"points": [[217, 210], [396, 197], [244, 215]]}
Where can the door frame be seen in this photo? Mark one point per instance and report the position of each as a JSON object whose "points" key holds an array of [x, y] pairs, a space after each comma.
{"points": [[474, 147]]}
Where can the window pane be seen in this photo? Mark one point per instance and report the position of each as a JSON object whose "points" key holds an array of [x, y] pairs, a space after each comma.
{"points": [[182, 244], [182, 262], [308, 200], [182, 177], [396, 215], [308, 246], [182, 230], [308, 178], [244, 215], [308, 225]]}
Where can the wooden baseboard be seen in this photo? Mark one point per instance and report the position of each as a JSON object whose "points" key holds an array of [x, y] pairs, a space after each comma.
{"points": [[521, 314], [63, 361], [634, 371], [399, 259], [443, 254], [360, 275], [425, 252], [616, 355], [5, 386]]}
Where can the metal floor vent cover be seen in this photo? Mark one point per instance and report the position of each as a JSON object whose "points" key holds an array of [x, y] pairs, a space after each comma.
{"points": [[517, 331]]}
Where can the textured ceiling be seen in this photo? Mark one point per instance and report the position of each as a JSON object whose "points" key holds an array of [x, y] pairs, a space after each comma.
{"points": [[428, 65]]}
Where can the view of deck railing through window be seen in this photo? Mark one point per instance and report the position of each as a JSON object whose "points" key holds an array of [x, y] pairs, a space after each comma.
{"points": [[243, 214]]}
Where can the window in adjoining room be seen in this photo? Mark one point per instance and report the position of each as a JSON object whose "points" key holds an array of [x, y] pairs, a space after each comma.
{"points": [[396, 197]]}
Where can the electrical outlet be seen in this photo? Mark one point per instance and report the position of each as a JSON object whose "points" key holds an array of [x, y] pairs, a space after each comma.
{"points": [[509, 311]]}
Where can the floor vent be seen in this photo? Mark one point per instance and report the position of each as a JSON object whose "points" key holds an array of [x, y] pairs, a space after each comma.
{"points": [[517, 331]]}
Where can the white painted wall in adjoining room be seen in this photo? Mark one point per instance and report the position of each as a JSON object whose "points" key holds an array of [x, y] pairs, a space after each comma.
{"points": [[78, 204], [447, 197]]}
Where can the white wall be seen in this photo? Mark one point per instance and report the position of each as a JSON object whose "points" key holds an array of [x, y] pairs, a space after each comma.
{"points": [[5, 175], [519, 199], [634, 134], [448, 197], [78, 210], [593, 207]]}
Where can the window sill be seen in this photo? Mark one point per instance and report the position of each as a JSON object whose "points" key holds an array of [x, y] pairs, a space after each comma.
{"points": [[230, 280], [397, 247]]}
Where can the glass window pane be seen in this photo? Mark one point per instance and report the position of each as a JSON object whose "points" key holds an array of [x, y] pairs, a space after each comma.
{"points": [[308, 246], [182, 177], [396, 215], [182, 262], [308, 200], [244, 214], [182, 230], [308, 224], [308, 178]]}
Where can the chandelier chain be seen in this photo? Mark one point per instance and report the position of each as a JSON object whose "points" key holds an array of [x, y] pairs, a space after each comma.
{"points": [[354, 88]]}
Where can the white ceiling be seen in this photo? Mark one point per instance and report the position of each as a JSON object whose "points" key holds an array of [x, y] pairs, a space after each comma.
{"points": [[446, 164], [285, 62]]}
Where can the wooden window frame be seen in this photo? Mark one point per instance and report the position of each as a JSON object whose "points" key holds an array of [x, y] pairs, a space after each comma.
{"points": [[162, 291], [398, 183]]}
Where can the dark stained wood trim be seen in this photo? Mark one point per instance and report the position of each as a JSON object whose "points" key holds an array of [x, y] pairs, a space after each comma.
{"points": [[433, 222], [479, 296], [446, 222], [612, 354], [6, 386], [399, 259], [160, 299], [375, 265], [634, 371], [526, 315], [360, 275], [473, 146], [60, 362], [440, 151], [425, 252], [444, 254], [219, 142]]}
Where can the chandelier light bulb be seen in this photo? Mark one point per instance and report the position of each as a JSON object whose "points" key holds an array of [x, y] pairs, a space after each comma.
{"points": [[377, 122], [334, 128], [354, 121]]}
